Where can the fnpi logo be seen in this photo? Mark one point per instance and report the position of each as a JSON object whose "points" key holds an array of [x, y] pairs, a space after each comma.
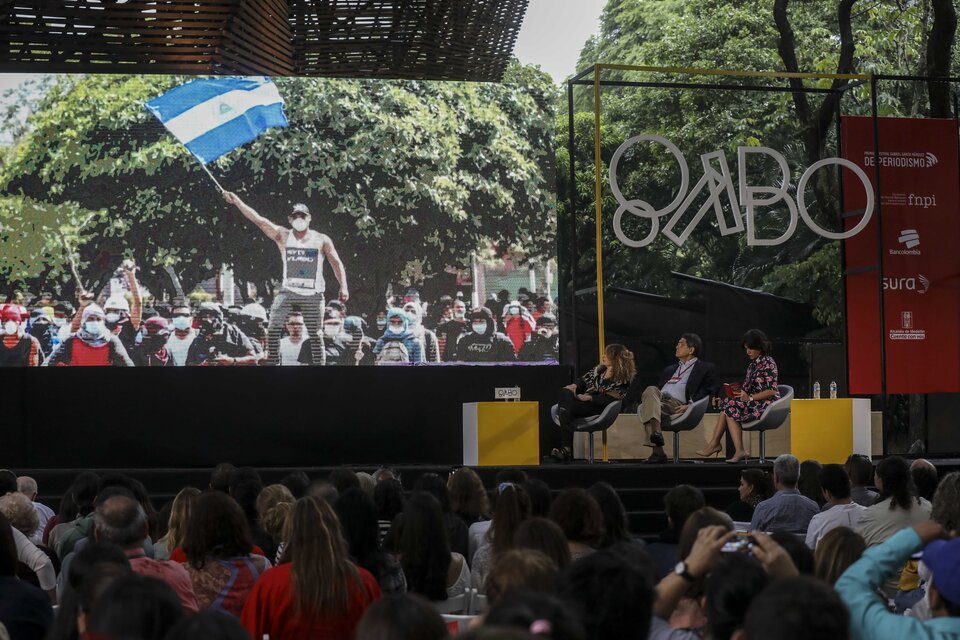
{"points": [[921, 201], [920, 284], [718, 182]]}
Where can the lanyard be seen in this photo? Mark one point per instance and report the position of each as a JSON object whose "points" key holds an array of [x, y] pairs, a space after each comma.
{"points": [[681, 369]]}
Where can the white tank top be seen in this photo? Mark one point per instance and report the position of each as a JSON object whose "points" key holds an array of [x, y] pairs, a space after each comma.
{"points": [[303, 264]]}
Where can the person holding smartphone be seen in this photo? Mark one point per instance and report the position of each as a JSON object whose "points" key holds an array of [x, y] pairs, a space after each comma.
{"points": [[758, 390]]}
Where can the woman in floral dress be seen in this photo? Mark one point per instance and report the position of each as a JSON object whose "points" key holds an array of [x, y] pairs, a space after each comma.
{"points": [[759, 389]]}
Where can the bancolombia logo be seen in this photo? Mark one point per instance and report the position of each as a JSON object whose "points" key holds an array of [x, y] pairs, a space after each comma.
{"points": [[721, 182]]}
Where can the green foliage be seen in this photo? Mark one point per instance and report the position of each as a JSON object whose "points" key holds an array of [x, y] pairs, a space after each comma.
{"points": [[395, 172]]}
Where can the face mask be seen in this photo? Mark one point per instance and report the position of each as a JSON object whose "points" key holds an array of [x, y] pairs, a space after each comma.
{"points": [[210, 325], [457, 313], [395, 330], [10, 327], [381, 324], [93, 327], [546, 333], [331, 330], [479, 328], [299, 224], [182, 323], [59, 322], [514, 311], [112, 317]]}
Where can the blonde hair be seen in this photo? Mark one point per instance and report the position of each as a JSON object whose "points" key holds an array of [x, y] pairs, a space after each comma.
{"points": [[274, 505], [621, 363], [179, 515], [467, 495]]}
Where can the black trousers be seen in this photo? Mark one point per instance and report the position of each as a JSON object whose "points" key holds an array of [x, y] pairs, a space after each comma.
{"points": [[575, 408]]}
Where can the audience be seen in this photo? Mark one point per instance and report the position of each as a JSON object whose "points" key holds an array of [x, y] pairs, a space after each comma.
{"points": [[809, 481], [839, 511], [478, 530], [755, 487], [28, 487], [860, 470], [316, 592], [787, 510], [332, 567]]}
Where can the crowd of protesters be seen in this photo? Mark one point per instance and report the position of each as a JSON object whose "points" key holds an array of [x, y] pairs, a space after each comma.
{"points": [[122, 331], [358, 555]]}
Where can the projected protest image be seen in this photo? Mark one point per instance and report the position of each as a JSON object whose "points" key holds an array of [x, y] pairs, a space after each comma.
{"points": [[225, 221]]}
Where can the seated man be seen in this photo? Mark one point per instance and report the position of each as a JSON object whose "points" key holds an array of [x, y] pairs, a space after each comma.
{"points": [[787, 510], [680, 384]]}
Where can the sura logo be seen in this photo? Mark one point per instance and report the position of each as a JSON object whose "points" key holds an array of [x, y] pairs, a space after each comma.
{"points": [[931, 159], [920, 284], [717, 182]]}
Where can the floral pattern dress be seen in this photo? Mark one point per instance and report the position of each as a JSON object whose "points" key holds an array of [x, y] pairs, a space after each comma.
{"points": [[761, 376]]}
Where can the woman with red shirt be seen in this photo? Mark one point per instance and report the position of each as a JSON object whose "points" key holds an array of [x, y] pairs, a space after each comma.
{"points": [[315, 592]]}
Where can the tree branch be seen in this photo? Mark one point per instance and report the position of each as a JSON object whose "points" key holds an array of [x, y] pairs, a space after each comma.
{"points": [[787, 48], [940, 55]]}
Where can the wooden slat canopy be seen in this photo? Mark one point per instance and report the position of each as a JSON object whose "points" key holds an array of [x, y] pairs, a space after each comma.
{"points": [[427, 39]]}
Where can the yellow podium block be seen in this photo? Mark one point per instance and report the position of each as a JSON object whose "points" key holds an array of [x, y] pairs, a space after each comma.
{"points": [[830, 430], [498, 434]]}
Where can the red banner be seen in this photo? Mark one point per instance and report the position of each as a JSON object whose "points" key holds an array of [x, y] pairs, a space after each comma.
{"points": [[920, 249]]}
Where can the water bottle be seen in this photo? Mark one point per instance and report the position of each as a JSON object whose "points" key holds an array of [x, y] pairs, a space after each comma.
{"points": [[833, 390], [816, 390]]}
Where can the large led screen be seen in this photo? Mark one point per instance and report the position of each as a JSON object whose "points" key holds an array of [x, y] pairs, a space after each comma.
{"points": [[150, 220]]}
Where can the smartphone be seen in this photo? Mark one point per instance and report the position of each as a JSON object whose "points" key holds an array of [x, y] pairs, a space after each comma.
{"points": [[740, 545]]}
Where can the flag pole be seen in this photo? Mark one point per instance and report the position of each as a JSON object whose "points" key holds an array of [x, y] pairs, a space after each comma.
{"points": [[204, 167]]}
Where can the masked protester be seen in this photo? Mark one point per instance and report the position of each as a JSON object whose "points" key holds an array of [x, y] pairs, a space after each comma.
{"points": [[381, 321], [330, 345], [93, 345], [219, 343], [18, 348], [518, 324], [151, 349], [182, 333], [450, 331], [43, 330], [484, 343], [431, 347], [360, 346], [544, 345], [252, 320], [291, 345], [398, 345]]}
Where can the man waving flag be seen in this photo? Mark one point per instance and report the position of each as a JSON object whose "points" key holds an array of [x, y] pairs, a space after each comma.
{"points": [[212, 116]]}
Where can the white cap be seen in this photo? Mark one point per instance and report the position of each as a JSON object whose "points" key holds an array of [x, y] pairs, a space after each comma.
{"points": [[254, 310], [117, 302]]}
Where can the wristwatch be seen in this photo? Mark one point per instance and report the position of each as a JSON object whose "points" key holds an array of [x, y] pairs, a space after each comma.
{"points": [[751, 397], [682, 571]]}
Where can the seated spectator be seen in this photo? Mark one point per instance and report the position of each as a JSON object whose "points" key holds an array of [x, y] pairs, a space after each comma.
{"points": [[76, 505], [343, 478], [431, 569], [456, 528], [358, 519], [179, 516], [755, 487], [512, 508], [297, 482], [220, 477], [134, 606], [388, 496], [858, 585], [8, 482], [220, 559], [323, 490], [616, 529], [678, 504], [898, 506], [468, 498], [925, 478], [273, 505], [787, 510], [809, 482], [797, 609], [840, 510], [478, 530], [90, 573], [732, 584], [37, 565], [540, 498], [245, 486], [367, 483], [401, 617], [543, 615], [860, 470], [208, 625], [613, 598], [835, 552], [946, 502], [28, 487], [316, 592], [799, 552], [520, 570], [121, 520], [544, 536], [25, 610], [578, 515]]}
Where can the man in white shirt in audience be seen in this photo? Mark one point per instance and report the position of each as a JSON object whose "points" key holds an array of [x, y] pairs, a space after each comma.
{"points": [[840, 510], [28, 487]]}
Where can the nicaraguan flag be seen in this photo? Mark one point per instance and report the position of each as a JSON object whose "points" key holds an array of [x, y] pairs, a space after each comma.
{"points": [[212, 116]]}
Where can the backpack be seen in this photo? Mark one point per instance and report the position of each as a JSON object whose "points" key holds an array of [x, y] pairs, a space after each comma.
{"points": [[393, 352]]}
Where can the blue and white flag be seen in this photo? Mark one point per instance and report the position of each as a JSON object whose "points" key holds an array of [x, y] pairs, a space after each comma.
{"points": [[212, 116]]}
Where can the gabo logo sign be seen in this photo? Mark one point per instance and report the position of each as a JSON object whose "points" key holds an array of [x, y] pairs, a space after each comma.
{"points": [[718, 182]]}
